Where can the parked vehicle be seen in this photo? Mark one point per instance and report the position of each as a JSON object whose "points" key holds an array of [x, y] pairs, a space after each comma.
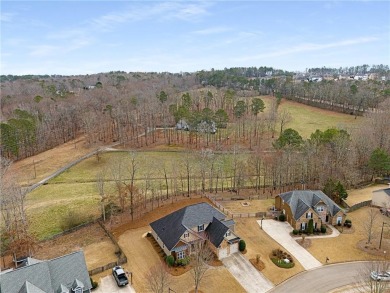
{"points": [[380, 276], [120, 276]]}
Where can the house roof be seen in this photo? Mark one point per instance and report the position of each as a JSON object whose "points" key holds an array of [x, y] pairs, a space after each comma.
{"points": [[300, 201], [386, 190], [47, 276], [216, 232], [171, 227]]}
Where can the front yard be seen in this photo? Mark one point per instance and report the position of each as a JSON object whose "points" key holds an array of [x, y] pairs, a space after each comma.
{"points": [[142, 256], [346, 246]]}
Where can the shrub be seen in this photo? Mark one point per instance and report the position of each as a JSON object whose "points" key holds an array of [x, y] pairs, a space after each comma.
{"points": [[94, 283], [348, 223], [111, 209], [72, 219], [282, 217], [170, 260], [323, 229], [241, 245], [183, 262], [295, 232], [310, 227]]}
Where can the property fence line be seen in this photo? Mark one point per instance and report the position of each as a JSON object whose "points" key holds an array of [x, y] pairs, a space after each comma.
{"points": [[122, 258], [235, 215], [359, 205]]}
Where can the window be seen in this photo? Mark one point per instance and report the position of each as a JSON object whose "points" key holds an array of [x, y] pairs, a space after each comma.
{"points": [[309, 215], [180, 255], [186, 234], [200, 228], [303, 226], [320, 209], [227, 233], [78, 290]]}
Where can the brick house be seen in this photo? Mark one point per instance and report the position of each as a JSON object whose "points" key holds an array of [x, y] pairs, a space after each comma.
{"points": [[177, 232], [299, 206]]}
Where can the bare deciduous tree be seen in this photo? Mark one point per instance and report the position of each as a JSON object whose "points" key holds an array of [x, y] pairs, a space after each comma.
{"points": [[158, 278], [200, 258], [369, 223], [366, 284]]}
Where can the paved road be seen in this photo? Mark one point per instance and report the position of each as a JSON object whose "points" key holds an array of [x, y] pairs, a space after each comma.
{"points": [[323, 279], [108, 285], [245, 273], [280, 232]]}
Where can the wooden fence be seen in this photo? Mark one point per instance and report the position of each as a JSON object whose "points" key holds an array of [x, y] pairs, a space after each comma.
{"points": [[359, 205], [122, 258], [235, 215]]}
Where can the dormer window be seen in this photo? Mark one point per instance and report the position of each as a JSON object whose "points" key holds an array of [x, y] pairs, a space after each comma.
{"points": [[186, 234], [200, 228], [228, 233]]}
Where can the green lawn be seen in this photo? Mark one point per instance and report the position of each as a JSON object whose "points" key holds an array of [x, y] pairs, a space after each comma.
{"points": [[306, 119]]}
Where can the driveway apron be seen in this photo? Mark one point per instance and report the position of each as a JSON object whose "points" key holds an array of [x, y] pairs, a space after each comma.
{"points": [[246, 274], [108, 285], [280, 232]]}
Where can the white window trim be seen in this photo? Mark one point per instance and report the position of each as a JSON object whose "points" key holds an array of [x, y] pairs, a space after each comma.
{"points": [[186, 234], [200, 228], [180, 255]]}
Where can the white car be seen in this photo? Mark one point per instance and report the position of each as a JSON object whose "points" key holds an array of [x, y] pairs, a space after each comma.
{"points": [[380, 276]]}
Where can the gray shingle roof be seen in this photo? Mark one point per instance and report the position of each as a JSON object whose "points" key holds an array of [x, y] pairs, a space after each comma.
{"points": [[216, 232], [386, 190], [48, 275], [30, 288], [301, 200], [171, 227]]}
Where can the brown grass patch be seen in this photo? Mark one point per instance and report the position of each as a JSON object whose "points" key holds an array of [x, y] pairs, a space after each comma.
{"points": [[46, 163], [97, 246], [345, 247], [304, 243], [358, 195]]}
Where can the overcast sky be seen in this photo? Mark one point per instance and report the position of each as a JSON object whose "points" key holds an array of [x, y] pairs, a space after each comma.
{"points": [[83, 37]]}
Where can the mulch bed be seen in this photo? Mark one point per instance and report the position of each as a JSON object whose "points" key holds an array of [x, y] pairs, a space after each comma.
{"points": [[305, 244], [373, 248], [258, 265]]}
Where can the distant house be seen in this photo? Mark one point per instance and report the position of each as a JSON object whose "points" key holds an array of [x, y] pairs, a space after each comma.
{"points": [[65, 274], [177, 232], [203, 126], [381, 198], [299, 206]]}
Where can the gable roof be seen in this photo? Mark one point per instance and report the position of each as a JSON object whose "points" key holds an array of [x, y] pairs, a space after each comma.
{"points": [[216, 232], [47, 276], [300, 201], [171, 227]]}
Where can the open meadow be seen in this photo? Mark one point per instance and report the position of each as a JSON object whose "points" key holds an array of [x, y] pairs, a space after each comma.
{"points": [[75, 189]]}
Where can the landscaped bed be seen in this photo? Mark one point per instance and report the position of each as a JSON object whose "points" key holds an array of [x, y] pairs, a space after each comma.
{"points": [[282, 259]]}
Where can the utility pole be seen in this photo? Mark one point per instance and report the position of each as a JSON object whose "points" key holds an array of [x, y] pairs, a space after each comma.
{"points": [[380, 241]]}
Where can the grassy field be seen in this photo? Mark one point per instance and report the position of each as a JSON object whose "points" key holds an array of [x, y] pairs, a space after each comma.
{"points": [[306, 119], [76, 190]]}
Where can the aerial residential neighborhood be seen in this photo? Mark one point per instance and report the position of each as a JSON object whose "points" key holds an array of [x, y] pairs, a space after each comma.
{"points": [[194, 146]]}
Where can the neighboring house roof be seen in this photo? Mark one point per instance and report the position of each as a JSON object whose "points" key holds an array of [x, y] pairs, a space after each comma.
{"points": [[171, 227], [55, 275], [300, 201], [216, 232], [386, 190]]}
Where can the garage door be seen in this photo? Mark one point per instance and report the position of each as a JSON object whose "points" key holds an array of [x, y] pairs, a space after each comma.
{"points": [[233, 248], [223, 252]]}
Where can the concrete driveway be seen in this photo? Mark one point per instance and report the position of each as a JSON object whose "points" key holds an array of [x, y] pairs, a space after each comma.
{"points": [[246, 274], [108, 285], [280, 232]]}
